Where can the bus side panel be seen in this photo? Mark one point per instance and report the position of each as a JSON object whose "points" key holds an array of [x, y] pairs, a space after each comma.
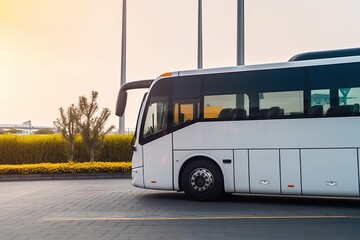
{"points": [[241, 166], [330, 172], [180, 157], [158, 163], [271, 134]]}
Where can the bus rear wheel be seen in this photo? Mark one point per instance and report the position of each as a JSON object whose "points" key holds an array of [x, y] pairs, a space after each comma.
{"points": [[202, 180]]}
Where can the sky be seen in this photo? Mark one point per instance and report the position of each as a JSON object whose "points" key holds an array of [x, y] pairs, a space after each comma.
{"points": [[53, 51]]}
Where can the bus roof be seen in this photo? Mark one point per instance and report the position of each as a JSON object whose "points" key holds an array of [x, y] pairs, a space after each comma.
{"points": [[301, 60], [297, 63], [326, 54]]}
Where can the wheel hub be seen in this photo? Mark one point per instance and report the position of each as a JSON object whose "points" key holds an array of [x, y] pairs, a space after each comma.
{"points": [[201, 180]]}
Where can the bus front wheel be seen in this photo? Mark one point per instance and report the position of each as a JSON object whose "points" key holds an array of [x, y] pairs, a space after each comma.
{"points": [[202, 180]]}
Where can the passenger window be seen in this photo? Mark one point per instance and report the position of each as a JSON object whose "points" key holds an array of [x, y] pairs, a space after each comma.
{"points": [[186, 111], [349, 96], [186, 105], [345, 102], [226, 107], [319, 97], [281, 104], [349, 99]]}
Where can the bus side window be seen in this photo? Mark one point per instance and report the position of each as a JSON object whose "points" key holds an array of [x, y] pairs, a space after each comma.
{"points": [[282, 104], [226, 107], [320, 102], [185, 111], [351, 97], [186, 100], [348, 103]]}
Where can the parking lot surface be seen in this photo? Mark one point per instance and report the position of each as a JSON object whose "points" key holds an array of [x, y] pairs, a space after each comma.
{"points": [[114, 209]]}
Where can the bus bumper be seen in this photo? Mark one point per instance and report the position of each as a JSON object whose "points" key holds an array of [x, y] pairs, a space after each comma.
{"points": [[137, 176]]}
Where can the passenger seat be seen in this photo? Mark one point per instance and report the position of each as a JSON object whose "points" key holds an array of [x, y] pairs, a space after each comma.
{"points": [[225, 113], [316, 111], [343, 110], [238, 114]]}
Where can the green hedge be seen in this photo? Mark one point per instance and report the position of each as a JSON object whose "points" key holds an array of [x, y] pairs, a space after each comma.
{"points": [[27, 149]]}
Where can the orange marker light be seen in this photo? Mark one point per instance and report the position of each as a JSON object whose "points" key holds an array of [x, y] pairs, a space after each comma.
{"points": [[291, 185], [167, 74], [153, 181]]}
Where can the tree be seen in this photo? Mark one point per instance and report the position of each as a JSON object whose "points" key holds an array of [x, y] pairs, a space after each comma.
{"points": [[67, 126], [91, 127]]}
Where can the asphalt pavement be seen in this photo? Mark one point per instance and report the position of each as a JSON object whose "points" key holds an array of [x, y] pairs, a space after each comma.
{"points": [[114, 209]]}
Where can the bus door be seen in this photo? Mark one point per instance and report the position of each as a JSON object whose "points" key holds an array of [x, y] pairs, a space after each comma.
{"points": [[158, 163], [157, 145]]}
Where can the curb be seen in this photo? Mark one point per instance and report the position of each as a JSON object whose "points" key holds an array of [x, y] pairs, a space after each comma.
{"points": [[64, 176]]}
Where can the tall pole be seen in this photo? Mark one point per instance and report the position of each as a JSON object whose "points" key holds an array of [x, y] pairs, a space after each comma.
{"points": [[240, 33], [240, 101], [123, 62], [200, 50]]}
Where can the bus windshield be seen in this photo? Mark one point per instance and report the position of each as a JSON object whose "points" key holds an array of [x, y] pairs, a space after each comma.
{"points": [[156, 117]]}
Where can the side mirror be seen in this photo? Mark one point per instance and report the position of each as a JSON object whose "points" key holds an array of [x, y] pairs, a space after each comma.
{"points": [[121, 103], [122, 96]]}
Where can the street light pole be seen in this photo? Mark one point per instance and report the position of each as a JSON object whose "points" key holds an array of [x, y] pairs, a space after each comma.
{"points": [[200, 50], [240, 33], [240, 101], [123, 63]]}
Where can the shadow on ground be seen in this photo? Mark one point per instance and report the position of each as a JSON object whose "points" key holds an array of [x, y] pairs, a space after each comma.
{"points": [[262, 199]]}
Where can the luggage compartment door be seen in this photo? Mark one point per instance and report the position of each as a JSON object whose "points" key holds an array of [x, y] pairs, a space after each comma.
{"points": [[264, 171], [330, 172]]}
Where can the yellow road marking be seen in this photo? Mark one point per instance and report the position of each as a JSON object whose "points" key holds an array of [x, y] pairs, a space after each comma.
{"points": [[55, 219]]}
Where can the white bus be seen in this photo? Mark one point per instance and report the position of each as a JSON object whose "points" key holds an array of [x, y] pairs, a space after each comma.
{"points": [[289, 128]]}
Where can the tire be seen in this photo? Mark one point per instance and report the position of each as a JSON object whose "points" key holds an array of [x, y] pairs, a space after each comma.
{"points": [[202, 180]]}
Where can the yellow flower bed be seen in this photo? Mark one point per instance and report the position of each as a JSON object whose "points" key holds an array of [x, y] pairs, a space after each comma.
{"points": [[70, 167]]}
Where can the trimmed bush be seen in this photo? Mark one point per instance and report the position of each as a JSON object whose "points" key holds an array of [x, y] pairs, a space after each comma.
{"points": [[70, 167], [27, 149], [116, 145], [23, 149]]}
